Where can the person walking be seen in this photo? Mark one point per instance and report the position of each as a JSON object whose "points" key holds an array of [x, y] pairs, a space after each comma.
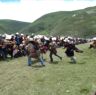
{"points": [[70, 48], [53, 51], [33, 52]]}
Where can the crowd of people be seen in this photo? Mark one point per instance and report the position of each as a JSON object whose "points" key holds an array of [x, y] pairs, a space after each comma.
{"points": [[24, 45]]}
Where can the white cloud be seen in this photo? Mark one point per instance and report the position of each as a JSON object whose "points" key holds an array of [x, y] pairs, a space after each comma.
{"points": [[30, 10]]}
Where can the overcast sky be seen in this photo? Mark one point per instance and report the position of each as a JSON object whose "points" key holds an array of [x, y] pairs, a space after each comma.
{"points": [[30, 10]]}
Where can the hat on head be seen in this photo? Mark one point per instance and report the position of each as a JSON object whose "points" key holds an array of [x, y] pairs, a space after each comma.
{"points": [[30, 39], [22, 34], [17, 33]]}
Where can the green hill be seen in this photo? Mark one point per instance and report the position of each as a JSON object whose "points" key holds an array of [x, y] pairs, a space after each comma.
{"points": [[80, 23], [11, 26]]}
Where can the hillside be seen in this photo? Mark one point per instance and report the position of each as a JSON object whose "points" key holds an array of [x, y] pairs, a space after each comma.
{"points": [[11, 26], [80, 23]]}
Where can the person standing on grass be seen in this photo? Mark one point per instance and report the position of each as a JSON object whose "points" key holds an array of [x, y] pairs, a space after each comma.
{"points": [[70, 48], [53, 51], [33, 51]]}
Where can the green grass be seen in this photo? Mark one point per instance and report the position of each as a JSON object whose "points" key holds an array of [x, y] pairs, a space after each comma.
{"points": [[59, 78]]}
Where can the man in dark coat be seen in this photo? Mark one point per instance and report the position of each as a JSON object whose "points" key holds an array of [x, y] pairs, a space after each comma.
{"points": [[70, 48]]}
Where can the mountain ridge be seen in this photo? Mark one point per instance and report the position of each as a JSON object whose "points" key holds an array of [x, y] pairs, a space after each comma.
{"points": [[81, 23]]}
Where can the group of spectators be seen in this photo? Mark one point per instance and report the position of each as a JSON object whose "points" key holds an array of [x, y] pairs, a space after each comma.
{"points": [[14, 47], [21, 45]]}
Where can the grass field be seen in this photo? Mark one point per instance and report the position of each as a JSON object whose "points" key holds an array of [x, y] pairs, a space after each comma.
{"points": [[58, 78]]}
